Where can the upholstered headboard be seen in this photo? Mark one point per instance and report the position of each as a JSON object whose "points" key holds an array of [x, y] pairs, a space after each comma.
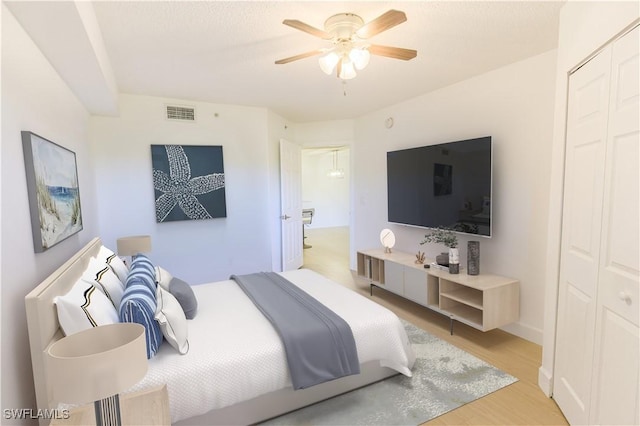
{"points": [[42, 319]]}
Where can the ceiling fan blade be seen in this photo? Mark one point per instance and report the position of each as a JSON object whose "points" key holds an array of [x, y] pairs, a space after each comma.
{"points": [[392, 52], [382, 23], [300, 56], [299, 25]]}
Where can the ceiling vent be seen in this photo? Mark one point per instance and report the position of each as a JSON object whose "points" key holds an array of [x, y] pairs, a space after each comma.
{"points": [[181, 113]]}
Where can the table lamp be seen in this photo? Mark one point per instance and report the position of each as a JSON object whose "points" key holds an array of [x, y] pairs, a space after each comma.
{"points": [[96, 365], [130, 246]]}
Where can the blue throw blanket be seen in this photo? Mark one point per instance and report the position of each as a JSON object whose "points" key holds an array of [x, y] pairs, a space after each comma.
{"points": [[318, 343]]}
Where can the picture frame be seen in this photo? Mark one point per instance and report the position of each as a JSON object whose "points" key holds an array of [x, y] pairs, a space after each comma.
{"points": [[188, 182], [53, 191]]}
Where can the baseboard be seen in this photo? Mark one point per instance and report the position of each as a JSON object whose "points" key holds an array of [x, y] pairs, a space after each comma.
{"points": [[526, 332], [545, 381]]}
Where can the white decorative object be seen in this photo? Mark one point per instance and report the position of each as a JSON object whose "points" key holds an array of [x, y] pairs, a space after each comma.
{"points": [[454, 260], [454, 255], [388, 239]]}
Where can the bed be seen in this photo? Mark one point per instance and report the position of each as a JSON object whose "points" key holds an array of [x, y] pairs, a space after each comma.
{"points": [[235, 371]]}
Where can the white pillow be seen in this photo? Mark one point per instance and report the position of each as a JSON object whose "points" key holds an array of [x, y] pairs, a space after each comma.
{"points": [[173, 323], [163, 277], [115, 263], [104, 279], [83, 307]]}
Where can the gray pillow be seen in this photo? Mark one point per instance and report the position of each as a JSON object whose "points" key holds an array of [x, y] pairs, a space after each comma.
{"points": [[184, 293]]}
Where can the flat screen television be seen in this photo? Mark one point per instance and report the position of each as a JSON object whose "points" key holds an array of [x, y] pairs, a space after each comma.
{"points": [[444, 185]]}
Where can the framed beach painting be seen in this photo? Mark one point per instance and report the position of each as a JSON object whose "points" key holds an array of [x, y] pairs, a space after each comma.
{"points": [[52, 185], [188, 182]]}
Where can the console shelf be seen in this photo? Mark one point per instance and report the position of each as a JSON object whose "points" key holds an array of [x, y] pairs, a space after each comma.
{"points": [[483, 301], [467, 296]]}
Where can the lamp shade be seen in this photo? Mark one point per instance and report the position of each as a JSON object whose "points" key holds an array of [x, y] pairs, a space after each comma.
{"points": [[130, 246], [360, 57], [328, 61], [97, 363], [347, 71]]}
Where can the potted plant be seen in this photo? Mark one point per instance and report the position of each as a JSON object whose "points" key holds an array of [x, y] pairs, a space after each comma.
{"points": [[448, 238]]}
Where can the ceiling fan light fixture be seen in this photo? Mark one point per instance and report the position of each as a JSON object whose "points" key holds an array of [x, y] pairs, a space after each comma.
{"points": [[350, 51], [347, 70], [360, 57], [328, 62]]}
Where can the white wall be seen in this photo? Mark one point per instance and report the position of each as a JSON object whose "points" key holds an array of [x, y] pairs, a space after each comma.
{"points": [[324, 134], [584, 28], [196, 251], [329, 196], [514, 105], [34, 98]]}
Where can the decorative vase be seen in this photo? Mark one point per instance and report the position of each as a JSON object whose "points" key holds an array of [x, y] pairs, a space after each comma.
{"points": [[443, 259], [454, 261], [473, 257]]}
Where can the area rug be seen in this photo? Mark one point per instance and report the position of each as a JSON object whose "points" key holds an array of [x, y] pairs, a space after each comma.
{"points": [[444, 378]]}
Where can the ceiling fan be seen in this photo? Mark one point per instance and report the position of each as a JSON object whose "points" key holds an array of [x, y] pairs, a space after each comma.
{"points": [[349, 33]]}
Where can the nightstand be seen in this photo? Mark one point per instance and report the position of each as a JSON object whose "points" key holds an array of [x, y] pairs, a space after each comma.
{"points": [[147, 407]]}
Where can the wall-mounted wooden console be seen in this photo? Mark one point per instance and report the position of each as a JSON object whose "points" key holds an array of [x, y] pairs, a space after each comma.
{"points": [[481, 301]]}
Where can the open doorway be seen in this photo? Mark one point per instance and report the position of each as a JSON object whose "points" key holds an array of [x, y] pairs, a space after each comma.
{"points": [[326, 186]]}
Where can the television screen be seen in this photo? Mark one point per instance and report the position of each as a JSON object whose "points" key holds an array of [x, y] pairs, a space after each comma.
{"points": [[445, 185]]}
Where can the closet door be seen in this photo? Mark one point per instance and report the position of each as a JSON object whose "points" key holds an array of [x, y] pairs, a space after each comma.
{"points": [[615, 381], [581, 228], [596, 378]]}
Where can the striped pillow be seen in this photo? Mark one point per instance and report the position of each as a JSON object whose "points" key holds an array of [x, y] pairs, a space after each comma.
{"points": [[139, 303], [142, 268]]}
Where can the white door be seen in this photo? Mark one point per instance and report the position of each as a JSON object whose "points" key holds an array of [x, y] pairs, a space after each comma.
{"points": [[616, 393], [291, 204], [596, 378], [581, 227]]}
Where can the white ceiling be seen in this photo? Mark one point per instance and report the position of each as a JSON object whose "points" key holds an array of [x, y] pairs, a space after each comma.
{"points": [[224, 52]]}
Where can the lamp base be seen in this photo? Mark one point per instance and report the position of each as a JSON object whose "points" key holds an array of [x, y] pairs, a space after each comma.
{"points": [[108, 411]]}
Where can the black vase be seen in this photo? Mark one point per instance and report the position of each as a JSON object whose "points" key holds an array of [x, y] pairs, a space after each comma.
{"points": [[443, 259], [473, 257]]}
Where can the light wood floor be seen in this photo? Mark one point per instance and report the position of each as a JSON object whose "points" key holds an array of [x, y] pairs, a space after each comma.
{"points": [[522, 403]]}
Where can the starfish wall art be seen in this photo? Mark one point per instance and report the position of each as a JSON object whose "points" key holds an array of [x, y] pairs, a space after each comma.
{"points": [[188, 181]]}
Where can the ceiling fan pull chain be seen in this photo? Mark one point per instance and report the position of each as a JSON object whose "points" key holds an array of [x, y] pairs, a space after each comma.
{"points": [[344, 87]]}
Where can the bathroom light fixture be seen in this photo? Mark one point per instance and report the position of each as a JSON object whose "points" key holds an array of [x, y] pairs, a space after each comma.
{"points": [[335, 172]]}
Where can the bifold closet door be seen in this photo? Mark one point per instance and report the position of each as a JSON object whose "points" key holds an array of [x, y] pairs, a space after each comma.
{"points": [[596, 370], [581, 226], [616, 393]]}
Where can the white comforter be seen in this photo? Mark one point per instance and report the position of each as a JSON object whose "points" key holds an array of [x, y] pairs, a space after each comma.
{"points": [[235, 354]]}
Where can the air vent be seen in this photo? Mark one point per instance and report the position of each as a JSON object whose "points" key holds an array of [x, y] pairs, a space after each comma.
{"points": [[181, 113]]}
